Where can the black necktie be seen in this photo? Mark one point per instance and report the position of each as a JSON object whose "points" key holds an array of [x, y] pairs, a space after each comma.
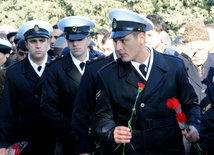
{"points": [[39, 68], [142, 68], [82, 64]]}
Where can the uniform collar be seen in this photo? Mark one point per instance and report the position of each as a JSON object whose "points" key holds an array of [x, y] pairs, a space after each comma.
{"points": [[35, 66], [77, 62]]}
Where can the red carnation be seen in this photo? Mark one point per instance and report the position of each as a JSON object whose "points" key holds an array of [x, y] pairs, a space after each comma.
{"points": [[141, 85], [173, 103], [17, 152], [181, 117]]}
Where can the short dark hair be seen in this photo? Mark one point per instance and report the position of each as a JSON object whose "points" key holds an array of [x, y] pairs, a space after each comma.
{"points": [[10, 34], [159, 24], [21, 45], [55, 26], [105, 38], [135, 33], [101, 31]]}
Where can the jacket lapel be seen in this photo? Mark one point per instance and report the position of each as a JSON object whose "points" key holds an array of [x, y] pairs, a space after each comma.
{"points": [[70, 68], [29, 72], [157, 74], [126, 70]]}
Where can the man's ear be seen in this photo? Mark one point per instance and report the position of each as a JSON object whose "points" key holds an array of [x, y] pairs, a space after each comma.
{"points": [[142, 37]]}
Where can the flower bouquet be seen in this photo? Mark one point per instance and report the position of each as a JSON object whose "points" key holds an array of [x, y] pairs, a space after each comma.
{"points": [[173, 103]]}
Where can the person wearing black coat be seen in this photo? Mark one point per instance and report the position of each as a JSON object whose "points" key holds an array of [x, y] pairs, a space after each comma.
{"points": [[207, 122], [63, 77], [154, 129], [20, 118], [85, 102]]}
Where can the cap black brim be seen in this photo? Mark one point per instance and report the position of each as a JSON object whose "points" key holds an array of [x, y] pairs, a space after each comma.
{"points": [[78, 36], [37, 35], [119, 34]]}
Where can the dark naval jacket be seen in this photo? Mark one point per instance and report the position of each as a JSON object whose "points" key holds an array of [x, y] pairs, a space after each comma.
{"points": [[155, 129], [58, 95], [20, 118], [85, 103]]}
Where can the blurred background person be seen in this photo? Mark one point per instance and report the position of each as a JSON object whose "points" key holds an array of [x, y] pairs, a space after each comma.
{"points": [[22, 50], [107, 44], [5, 48], [158, 38], [196, 39], [100, 33], [3, 35], [54, 35], [178, 39], [210, 29], [59, 45], [10, 38]]}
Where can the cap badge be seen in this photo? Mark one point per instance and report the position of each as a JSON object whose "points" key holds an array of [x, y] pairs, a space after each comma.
{"points": [[114, 24], [36, 28], [74, 29]]}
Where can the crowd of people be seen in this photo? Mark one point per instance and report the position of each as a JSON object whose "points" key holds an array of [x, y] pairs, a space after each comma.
{"points": [[64, 93]]}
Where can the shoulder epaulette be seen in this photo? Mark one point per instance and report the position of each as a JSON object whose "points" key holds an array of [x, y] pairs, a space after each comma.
{"points": [[54, 59], [108, 64], [95, 59]]}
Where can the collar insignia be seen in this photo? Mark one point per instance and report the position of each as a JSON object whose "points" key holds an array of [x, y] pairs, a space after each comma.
{"points": [[205, 109]]}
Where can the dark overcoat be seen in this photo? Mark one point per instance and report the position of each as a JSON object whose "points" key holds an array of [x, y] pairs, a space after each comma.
{"points": [[207, 122], [60, 88], [20, 118], [155, 129], [85, 103]]}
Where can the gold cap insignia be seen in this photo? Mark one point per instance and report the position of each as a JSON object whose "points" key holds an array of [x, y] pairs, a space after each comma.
{"points": [[74, 29], [36, 28], [114, 24]]}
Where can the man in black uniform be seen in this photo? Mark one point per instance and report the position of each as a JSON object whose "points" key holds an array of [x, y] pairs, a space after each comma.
{"points": [[207, 122], [154, 126], [62, 80], [85, 103], [20, 118]]}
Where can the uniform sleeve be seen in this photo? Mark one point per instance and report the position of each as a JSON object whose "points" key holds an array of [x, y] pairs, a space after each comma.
{"points": [[188, 98], [103, 122], [207, 121]]}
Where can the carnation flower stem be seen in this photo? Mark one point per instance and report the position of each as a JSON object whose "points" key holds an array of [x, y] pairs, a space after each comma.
{"points": [[132, 114]]}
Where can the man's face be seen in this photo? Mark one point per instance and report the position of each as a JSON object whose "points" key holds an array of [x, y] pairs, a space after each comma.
{"points": [[153, 39], [21, 54], [13, 44], [129, 47], [56, 33], [79, 47], [37, 47], [3, 58], [197, 51]]}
